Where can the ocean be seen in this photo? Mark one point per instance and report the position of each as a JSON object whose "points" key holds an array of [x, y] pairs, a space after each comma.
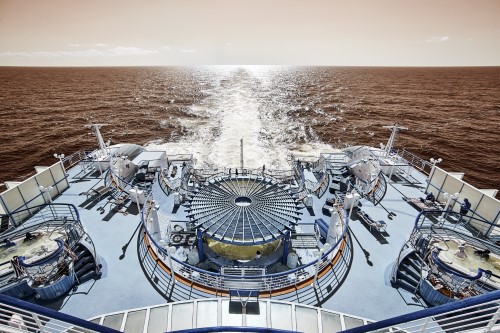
{"points": [[451, 113]]}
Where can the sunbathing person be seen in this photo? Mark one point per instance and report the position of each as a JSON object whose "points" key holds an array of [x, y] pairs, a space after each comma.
{"points": [[430, 197]]}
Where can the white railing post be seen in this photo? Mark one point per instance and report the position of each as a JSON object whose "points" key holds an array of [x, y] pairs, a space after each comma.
{"points": [[38, 322], [493, 320], [424, 326]]}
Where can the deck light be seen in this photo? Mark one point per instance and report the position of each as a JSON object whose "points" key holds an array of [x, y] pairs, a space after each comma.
{"points": [[450, 198], [434, 162], [46, 190], [60, 157]]}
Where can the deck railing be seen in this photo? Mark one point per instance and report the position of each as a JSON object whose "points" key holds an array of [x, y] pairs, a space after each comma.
{"points": [[20, 316], [476, 314], [217, 281], [413, 160]]}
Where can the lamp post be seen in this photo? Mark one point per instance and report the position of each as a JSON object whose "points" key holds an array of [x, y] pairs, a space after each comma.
{"points": [[46, 190], [434, 162], [60, 157], [49, 201], [448, 202], [319, 254]]}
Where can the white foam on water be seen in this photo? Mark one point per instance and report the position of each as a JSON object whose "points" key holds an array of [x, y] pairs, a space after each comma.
{"points": [[242, 106]]}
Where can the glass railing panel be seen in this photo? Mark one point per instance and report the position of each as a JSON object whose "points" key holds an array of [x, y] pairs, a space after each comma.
{"points": [[158, 319], [206, 314], [307, 319], [230, 319], [182, 316], [330, 322], [260, 319], [281, 316], [113, 321], [135, 321], [351, 322]]}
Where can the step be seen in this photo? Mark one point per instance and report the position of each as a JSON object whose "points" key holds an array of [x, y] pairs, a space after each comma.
{"points": [[87, 276], [410, 270], [402, 275], [407, 286], [84, 269], [80, 262]]}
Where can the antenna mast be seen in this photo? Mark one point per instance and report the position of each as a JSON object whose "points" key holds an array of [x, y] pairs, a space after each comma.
{"points": [[392, 138], [241, 155], [100, 140]]}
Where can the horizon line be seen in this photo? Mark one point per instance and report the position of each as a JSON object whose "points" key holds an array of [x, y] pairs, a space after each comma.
{"points": [[179, 65]]}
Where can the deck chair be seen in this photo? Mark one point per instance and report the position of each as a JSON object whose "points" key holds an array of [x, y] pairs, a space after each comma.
{"points": [[97, 193]]}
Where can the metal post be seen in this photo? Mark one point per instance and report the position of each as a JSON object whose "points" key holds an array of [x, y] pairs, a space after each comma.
{"points": [[137, 200], [171, 249], [241, 155], [493, 320], [60, 157], [286, 248], [316, 267], [201, 252], [434, 162], [448, 202], [46, 190]]}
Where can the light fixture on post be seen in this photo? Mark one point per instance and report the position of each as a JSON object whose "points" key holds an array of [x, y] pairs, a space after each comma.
{"points": [[450, 198], [434, 162], [60, 157], [44, 190]]}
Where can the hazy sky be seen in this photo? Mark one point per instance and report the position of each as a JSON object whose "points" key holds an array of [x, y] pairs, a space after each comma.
{"points": [[268, 32]]}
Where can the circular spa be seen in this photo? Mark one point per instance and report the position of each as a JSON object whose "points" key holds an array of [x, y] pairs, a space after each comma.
{"points": [[243, 219], [467, 259], [40, 262], [457, 270]]}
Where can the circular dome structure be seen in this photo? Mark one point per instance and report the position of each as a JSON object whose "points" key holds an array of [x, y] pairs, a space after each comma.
{"points": [[244, 210]]}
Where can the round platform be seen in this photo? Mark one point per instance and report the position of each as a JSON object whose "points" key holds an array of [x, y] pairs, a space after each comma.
{"points": [[243, 210]]}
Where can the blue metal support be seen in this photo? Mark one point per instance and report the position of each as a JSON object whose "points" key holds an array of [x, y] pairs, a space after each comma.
{"points": [[199, 236], [286, 247]]}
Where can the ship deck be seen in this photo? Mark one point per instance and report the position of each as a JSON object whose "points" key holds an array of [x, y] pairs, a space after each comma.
{"points": [[366, 291]]}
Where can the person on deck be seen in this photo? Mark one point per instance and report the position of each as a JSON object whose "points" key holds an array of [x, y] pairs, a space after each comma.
{"points": [[464, 207], [430, 197]]}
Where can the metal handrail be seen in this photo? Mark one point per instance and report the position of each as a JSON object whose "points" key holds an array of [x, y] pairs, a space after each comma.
{"points": [[267, 278], [27, 317], [476, 305], [234, 329]]}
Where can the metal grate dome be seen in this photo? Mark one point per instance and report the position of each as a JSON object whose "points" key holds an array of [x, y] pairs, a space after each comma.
{"points": [[243, 210]]}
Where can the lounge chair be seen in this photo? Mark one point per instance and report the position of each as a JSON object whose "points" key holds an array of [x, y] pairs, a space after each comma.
{"points": [[97, 193], [379, 225]]}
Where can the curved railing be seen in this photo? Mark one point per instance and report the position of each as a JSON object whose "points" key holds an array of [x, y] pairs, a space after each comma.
{"points": [[448, 269], [319, 187], [46, 215], [35, 318], [219, 281]]}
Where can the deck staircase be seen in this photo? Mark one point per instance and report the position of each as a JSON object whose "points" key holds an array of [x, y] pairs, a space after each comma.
{"points": [[85, 265], [409, 272]]}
